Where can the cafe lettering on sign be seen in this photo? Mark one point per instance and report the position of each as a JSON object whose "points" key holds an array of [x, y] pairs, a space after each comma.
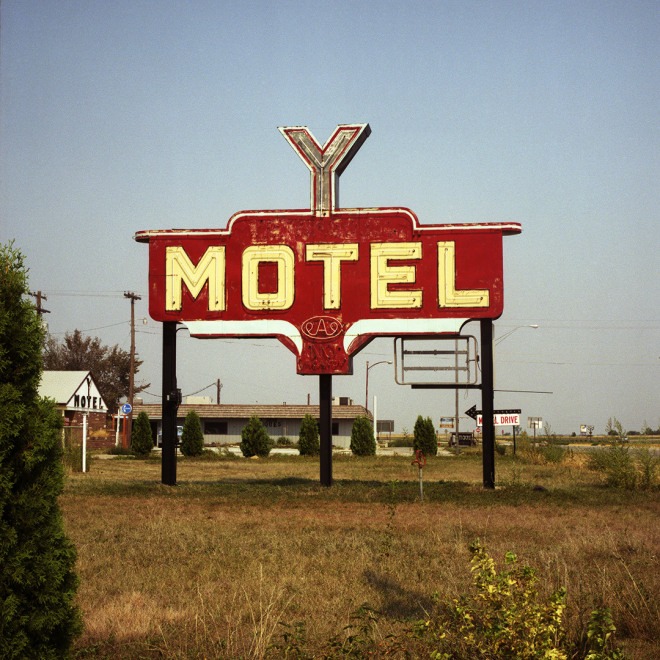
{"points": [[326, 281]]}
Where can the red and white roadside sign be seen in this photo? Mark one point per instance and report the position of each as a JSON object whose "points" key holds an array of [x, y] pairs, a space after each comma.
{"points": [[502, 419], [326, 281]]}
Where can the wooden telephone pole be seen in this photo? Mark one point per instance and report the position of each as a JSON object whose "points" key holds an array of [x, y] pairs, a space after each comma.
{"points": [[131, 382], [39, 297]]}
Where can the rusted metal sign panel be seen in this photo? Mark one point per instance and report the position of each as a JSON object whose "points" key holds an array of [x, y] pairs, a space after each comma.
{"points": [[325, 281]]}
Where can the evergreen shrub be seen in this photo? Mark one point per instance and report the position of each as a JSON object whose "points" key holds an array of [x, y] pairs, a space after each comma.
{"points": [[192, 438], [38, 617], [308, 438], [255, 440], [363, 442], [142, 441], [424, 436]]}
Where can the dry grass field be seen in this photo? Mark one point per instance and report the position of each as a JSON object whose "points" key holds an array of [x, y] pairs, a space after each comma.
{"points": [[214, 567]]}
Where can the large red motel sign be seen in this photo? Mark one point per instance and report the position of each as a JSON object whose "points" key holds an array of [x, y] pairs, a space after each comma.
{"points": [[326, 281]]}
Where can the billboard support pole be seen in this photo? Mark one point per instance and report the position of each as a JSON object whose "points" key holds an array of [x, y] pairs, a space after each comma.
{"points": [[514, 440], [170, 404], [487, 403], [325, 428]]}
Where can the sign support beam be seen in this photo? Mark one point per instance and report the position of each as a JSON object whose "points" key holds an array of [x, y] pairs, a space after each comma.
{"points": [[325, 428], [487, 403], [169, 410]]}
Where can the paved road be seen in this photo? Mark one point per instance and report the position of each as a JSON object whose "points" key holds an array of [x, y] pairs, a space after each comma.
{"points": [[588, 448], [408, 451]]}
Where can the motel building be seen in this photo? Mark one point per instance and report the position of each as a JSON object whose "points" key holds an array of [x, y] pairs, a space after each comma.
{"points": [[222, 423], [76, 395]]}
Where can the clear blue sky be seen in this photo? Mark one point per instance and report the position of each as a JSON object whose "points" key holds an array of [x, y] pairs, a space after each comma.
{"points": [[129, 115]]}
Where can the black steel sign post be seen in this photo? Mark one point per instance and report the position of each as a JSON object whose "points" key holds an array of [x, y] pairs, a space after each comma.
{"points": [[487, 401], [170, 405], [325, 428]]}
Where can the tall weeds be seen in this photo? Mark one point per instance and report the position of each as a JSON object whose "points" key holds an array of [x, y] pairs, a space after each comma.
{"points": [[624, 467]]}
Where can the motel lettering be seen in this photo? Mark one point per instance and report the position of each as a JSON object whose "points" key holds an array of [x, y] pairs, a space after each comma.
{"points": [[386, 272]]}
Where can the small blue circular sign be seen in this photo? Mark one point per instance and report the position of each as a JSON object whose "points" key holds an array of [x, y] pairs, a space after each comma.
{"points": [[126, 408]]}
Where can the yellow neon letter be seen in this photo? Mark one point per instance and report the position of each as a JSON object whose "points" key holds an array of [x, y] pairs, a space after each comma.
{"points": [[448, 296], [179, 270], [332, 255], [382, 275], [282, 255]]}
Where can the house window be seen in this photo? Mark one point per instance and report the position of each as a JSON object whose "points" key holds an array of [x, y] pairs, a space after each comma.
{"points": [[215, 428], [335, 428]]}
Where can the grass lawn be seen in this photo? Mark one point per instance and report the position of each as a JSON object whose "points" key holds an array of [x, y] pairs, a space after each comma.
{"points": [[216, 565]]}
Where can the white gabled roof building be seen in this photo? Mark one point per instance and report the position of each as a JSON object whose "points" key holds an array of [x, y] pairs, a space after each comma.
{"points": [[76, 395], [73, 391]]}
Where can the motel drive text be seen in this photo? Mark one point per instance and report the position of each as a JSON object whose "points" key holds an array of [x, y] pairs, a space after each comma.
{"points": [[501, 420]]}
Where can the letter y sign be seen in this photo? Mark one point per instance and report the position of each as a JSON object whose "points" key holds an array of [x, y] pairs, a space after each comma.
{"points": [[326, 163]]}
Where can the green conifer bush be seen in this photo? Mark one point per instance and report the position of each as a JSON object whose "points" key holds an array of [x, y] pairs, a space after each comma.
{"points": [[38, 618], [255, 439], [142, 441], [192, 438], [363, 442], [308, 438], [424, 436]]}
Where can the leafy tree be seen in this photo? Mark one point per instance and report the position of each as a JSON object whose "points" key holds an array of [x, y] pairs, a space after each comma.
{"points": [[255, 439], [141, 439], [424, 436], [111, 367], [363, 442], [38, 618], [192, 438], [308, 438]]}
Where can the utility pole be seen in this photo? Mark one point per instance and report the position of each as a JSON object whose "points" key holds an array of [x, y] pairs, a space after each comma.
{"points": [[131, 382], [219, 386], [458, 417], [39, 296]]}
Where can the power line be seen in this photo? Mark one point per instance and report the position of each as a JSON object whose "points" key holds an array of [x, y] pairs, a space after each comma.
{"points": [[101, 327], [160, 396], [598, 324], [82, 292], [591, 364]]}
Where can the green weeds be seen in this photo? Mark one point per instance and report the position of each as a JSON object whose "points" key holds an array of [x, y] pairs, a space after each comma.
{"points": [[504, 617], [624, 467]]}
